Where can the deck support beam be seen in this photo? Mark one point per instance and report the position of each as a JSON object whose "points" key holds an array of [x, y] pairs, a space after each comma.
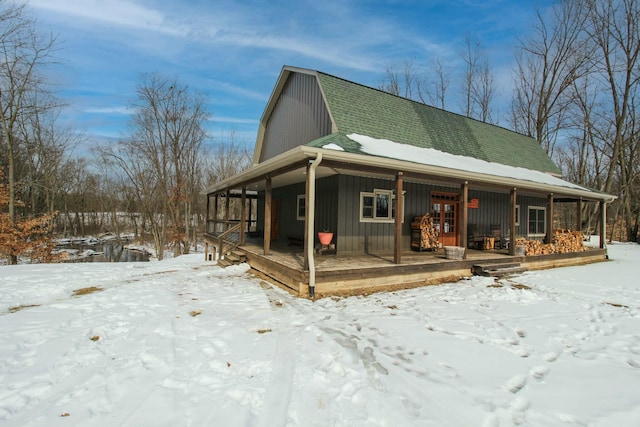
{"points": [[512, 223], [397, 236], [267, 217], [464, 218]]}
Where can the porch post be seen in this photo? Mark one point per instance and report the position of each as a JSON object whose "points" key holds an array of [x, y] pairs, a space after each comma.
{"points": [[243, 213], [579, 214], [306, 236], [512, 224], [267, 216], [215, 214], [549, 237], [603, 225], [397, 237], [250, 216], [465, 218], [226, 206]]}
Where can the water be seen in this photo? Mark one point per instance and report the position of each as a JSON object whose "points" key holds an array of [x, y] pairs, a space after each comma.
{"points": [[103, 252]]}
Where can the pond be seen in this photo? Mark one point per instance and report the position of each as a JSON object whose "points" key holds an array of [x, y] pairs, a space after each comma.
{"points": [[101, 251]]}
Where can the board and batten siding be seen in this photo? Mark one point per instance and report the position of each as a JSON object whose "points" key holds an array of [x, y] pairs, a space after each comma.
{"points": [[338, 211], [494, 209], [355, 236], [299, 117], [290, 225]]}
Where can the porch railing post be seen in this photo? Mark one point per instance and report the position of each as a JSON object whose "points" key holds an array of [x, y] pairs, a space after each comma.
{"points": [[306, 237]]}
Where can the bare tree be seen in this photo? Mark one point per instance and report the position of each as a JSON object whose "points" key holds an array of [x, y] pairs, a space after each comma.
{"points": [[546, 67], [614, 28], [24, 52], [162, 156], [436, 90]]}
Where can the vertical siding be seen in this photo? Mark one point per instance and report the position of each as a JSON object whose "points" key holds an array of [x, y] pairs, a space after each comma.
{"points": [[338, 210], [326, 207], [300, 116], [494, 208]]}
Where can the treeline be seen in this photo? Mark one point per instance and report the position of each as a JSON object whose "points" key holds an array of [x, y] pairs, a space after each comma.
{"points": [[576, 90], [150, 182]]}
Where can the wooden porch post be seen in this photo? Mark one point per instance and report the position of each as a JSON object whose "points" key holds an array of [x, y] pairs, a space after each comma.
{"points": [[397, 236], [512, 224], [549, 231], [306, 236], [250, 217], [215, 214], [267, 216], [579, 214], [603, 225], [243, 213], [226, 205], [465, 217]]}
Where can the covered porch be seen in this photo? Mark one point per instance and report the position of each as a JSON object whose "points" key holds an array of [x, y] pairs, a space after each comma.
{"points": [[307, 273], [367, 273]]}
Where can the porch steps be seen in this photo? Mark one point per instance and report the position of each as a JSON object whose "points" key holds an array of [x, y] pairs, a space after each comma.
{"points": [[497, 270], [232, 258]]}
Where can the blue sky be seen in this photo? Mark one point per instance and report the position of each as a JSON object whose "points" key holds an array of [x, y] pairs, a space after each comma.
{"points": [[234, 50]]}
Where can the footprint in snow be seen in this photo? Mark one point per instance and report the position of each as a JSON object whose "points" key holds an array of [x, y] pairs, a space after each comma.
{"points": [[517, 383], [539, 372], [551, 357]]}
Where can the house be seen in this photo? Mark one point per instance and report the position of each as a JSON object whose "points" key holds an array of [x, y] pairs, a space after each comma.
{"points": [[339, 156]]}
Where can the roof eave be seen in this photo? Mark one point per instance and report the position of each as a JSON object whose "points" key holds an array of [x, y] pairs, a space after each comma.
{"points": [[300, 153]]}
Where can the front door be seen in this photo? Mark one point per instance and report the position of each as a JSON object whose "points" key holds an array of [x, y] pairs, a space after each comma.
{"points": [[444, 211]]}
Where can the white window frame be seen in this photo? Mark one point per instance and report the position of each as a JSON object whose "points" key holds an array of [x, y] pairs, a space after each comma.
{"points": [[303, 198], [390, 218], [517, 215], [544, 215]]}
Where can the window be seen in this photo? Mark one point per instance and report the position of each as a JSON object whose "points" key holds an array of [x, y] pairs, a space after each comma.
{"points": [[537, 221], [301, 207], [517, 215], [378, 206]]}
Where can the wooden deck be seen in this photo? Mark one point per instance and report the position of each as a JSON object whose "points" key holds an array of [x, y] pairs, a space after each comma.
{"points": [[368, 273]]}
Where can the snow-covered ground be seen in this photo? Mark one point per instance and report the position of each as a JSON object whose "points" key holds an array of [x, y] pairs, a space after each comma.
{"points": [[185, 343]]}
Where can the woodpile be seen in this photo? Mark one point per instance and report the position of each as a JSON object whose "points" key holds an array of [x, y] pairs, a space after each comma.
{"points": [[424, 234], [564, 241]]}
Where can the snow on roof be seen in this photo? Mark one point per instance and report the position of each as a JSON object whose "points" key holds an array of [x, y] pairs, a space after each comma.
{"points": [[431, 157], [333, 146]]}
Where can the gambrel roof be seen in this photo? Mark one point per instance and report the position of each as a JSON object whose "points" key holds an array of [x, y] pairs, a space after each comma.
{"points": [[358, 109], [357, 128]]}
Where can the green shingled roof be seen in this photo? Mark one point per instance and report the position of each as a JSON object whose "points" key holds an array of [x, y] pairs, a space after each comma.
{"points": [[371, 112]]}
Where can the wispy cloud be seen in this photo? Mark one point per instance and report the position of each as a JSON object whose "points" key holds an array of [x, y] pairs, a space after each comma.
{"points": [[114, 12], [109, 110]]}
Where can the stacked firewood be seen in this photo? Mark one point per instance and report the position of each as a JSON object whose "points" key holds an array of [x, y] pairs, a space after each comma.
{"points": [[564, 241], [428, 232], [567, 241]]}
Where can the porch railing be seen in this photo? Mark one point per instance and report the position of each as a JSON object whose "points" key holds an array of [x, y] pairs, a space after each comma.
{"points": [[224, 234]]}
